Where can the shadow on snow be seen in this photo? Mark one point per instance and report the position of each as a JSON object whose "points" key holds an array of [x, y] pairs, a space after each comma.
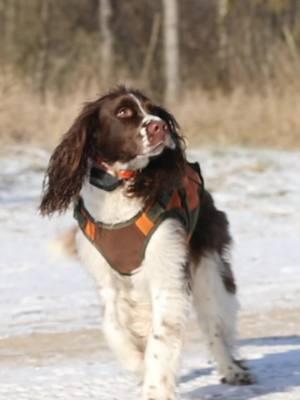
{"points": [[276, 372]]}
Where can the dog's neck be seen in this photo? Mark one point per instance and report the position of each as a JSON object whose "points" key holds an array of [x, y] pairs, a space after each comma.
{"points": [[106, 178], [109, 207], [118, 170]]}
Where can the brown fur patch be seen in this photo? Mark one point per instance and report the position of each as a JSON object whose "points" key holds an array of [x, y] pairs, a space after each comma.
{"points": [[212, 235]]}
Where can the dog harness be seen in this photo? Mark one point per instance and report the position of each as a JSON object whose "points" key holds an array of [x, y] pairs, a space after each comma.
{"points": [[123, 245]]}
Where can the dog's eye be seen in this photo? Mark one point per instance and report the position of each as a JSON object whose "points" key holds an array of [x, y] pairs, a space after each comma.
{"points": [[124, 112]]}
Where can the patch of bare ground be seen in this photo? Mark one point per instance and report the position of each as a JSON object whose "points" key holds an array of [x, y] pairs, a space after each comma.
{"points": [[277, 322], [41, 348], [44, 348], [271, 323]]}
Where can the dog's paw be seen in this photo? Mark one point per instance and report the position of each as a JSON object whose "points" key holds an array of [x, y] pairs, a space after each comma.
{"points": [[158, 392], [238, 374]]}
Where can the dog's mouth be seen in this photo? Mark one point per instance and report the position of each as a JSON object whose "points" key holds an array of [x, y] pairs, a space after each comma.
{"points": [[159, 147], [148, 153]]}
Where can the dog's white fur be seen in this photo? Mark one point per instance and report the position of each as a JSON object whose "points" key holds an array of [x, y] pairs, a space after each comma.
{"points": [[145, 314]]}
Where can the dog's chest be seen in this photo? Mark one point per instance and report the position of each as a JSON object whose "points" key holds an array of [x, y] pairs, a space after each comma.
{"points": [[108, 220], [110, 207]]}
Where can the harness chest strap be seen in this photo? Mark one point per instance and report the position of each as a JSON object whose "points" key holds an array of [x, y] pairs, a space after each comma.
{"points": [[143, 222], [132, 236]]}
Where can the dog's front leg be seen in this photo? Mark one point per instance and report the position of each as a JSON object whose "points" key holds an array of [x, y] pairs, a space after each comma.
{"points": [[170, 303], [164, 344], [118, 338]]}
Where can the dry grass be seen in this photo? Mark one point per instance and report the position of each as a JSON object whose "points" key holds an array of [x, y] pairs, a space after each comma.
{"points": [[270, 119], [25, 118]]}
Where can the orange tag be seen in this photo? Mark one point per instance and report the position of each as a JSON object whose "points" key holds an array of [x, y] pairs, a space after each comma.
{"points": [[90, 230], [126, 174], [144, 224]]}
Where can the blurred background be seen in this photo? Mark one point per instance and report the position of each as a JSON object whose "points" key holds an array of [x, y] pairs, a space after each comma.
{"points": [[228, 69]]}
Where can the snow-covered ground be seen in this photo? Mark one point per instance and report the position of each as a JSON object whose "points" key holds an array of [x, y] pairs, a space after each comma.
{"points": [[50, 341]]}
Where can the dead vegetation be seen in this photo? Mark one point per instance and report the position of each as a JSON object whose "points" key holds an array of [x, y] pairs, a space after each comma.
{"points": [[234, 66], [269, 118]]}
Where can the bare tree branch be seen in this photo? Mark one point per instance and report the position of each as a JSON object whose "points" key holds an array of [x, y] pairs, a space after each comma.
{"points": [[105, 13], [171, 50]]}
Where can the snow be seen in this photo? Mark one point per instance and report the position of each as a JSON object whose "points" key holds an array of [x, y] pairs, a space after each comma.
{"points": [[50, 341]]}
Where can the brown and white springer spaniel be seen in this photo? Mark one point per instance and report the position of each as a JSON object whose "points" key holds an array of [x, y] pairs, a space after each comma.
{"points": [[136, 148]]}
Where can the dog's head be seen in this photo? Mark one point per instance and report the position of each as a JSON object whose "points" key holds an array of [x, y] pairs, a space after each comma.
{"points": [[124, 130], [131, 130]]}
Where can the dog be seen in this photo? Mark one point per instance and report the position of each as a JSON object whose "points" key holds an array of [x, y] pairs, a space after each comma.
{"points": [[150, 234]]}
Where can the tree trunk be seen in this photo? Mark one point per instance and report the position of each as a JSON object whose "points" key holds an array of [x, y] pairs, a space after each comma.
{"points": [[9, 8], [171, 50], [145, 74], [2, 23], [223, 46], [105, 13], [43, 56]]}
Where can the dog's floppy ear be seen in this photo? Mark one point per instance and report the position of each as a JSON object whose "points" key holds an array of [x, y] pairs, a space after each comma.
{"points": [[68, 163]]}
